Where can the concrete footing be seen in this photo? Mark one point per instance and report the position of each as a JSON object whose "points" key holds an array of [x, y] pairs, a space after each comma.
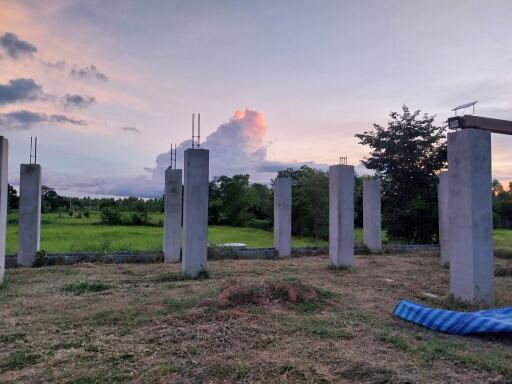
{"points": [[372, 214], [195, 212], [341, 215], [443, 198], [4, 156], [283, 216], [30, 214], [470, 216], [172, 215]]}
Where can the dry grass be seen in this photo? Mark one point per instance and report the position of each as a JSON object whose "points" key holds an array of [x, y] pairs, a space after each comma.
{"points": [[286, 321]]}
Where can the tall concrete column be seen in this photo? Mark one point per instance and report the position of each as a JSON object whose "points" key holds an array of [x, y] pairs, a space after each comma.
{"points": [[470, 185], [195, 212], [283, 216], [172, 215], [30, 214], [341, 215], [372, 214], [443, 198], [4, 151]]}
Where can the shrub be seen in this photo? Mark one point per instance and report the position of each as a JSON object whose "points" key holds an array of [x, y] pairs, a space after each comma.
{"points": [[110, 216], [87, 214], [40, 258], [260, 224], [79, 215], [139, 218]]}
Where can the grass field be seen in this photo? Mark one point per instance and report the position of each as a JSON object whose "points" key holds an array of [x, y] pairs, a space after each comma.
{"points": [[62, 233], [258, 321]]}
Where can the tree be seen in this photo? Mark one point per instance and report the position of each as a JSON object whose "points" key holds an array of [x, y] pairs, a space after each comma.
{"points": [[407, 156], [310, 201], [12, 197]]}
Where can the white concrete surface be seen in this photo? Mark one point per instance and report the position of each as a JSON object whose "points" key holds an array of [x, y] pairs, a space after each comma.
{"points": [[470, 185], [372, 214], [443, 199], [30, 214], [195, 212], [341, 215], [4, 156], [172, 215], [283, 216]]}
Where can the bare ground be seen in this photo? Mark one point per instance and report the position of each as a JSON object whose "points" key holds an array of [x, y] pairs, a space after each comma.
{"points": [[285, 321]]}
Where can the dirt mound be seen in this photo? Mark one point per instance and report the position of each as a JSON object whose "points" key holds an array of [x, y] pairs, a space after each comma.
{"points": [[263, 293]]}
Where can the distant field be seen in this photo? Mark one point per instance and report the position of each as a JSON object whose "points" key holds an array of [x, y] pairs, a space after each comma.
{"points": [[62, 233]]}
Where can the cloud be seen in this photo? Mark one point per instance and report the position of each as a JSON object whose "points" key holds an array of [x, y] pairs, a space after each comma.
{"points": [[16, 48], [59, 65], [236, 147], [90, 72], [24, 119], [77, 101], [19, 90]]}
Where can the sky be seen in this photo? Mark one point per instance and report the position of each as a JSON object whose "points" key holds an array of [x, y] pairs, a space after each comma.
{"points": [[108, 86]]}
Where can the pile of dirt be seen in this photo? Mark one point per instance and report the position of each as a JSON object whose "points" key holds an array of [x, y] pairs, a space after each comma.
{"points": [[263, 293]]}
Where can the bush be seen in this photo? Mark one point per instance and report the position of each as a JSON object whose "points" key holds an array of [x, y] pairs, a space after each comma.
{"points": [[79, 215], [70, 213], [260, 224], [87, 214], [40, 258], [139, 218], [110, 216]]}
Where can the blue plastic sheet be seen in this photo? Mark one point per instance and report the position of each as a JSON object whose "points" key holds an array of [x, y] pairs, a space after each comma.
{"points": [[497, 320]]}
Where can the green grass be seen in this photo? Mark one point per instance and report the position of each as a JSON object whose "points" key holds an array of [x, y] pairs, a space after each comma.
{"points": [[503, 239], [62, 233]]}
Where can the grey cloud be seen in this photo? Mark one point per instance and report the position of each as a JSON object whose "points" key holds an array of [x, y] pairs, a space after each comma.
{"points": [[24, 119], [19, 90], [16, 48], [131, 129], [77, 101], [59, 65], [88, 72]]}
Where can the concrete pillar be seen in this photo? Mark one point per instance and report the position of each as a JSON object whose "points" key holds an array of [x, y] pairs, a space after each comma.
{"points": [[4, 151], [443, 198], [470, 185], [283, 216], [372, 214], [29, 226], [172, 215], [341, 215], [195, 212]]}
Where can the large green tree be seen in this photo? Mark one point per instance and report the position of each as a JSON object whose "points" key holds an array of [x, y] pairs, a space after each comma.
{"points": [[407, 156]]}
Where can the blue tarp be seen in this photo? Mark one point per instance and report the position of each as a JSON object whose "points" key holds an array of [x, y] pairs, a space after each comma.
{"points": [[456, 323]]}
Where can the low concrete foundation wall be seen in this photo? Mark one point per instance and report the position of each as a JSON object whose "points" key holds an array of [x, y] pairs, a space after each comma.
{"points": [[214, 253]]}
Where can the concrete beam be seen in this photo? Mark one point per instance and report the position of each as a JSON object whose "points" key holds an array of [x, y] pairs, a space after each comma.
{"points": [[484, 123], [4, 156], [195, 212], [470, 185], [283, 216], [341, 215], [30, 214], [443, 199], [173, 194], [372, 214]]}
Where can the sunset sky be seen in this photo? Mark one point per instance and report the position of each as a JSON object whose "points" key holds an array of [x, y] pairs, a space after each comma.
{"points": [[107, 86]]}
